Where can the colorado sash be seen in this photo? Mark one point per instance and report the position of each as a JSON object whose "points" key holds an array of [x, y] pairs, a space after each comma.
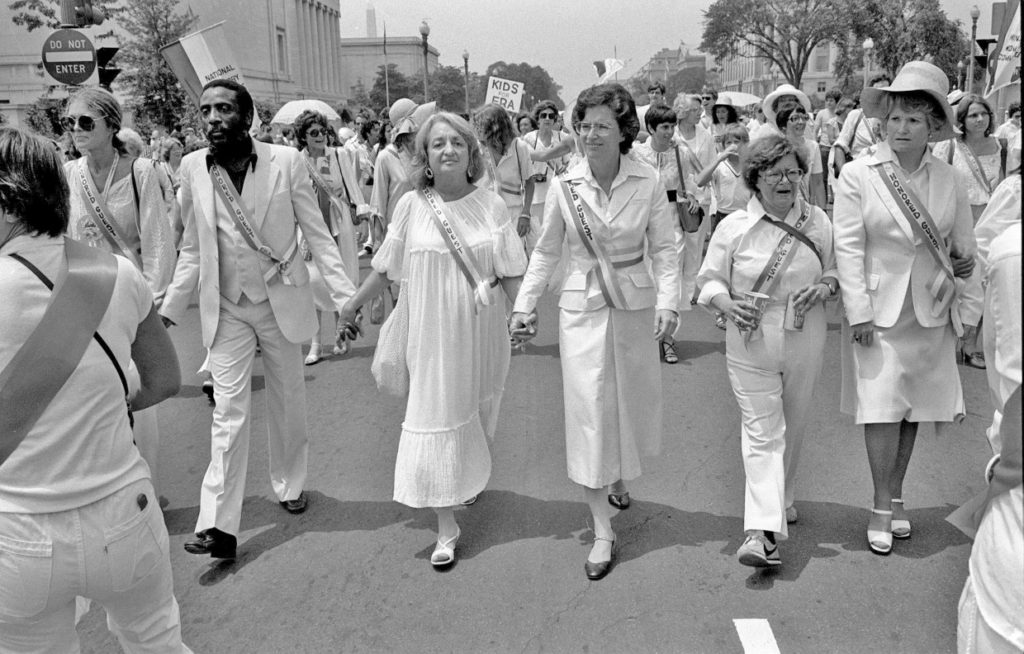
{"points": [[228, 194], [463, 257], [782, 256], [321, 184], [43, 364], [974, 164], [603, 264], [101, 213], [943, 285]]}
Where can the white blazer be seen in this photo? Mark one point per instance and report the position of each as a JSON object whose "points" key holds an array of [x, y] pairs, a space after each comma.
{"points": [[878, 255], [284, 199]]}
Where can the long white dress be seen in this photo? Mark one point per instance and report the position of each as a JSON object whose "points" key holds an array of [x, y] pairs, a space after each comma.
{"points": [[458, 354]]}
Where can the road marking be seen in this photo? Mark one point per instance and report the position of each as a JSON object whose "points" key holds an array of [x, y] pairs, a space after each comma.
{"points": [[756, 636]]}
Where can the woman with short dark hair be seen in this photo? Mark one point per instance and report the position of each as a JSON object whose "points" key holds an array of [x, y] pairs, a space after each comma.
{"points": [[545, 137], [621, 289]]}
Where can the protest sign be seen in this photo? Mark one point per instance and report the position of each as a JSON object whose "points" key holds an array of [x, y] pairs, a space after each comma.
{"points": [[505, 93]]}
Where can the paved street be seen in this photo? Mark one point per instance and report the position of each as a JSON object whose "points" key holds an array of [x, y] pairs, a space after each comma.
{"points": [[352, 574]]}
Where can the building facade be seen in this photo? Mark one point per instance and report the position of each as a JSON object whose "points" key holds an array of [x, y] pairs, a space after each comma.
{"points": [[753, 74], [361, 58], [669, 61]]}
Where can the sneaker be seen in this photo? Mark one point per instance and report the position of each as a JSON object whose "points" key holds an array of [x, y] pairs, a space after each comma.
{"points": [[757, 552]]}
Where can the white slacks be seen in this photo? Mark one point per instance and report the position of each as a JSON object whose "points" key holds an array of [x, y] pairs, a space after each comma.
{"points": [[773, 378], [690, 246], [230, 362], [113, 551]]}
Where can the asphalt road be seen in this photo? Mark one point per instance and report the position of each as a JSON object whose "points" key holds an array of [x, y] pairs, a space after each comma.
{"points": [[352, 574]]}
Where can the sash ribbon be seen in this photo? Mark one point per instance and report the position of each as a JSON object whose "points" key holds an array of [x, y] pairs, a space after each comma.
{"points": [[463, 257]]}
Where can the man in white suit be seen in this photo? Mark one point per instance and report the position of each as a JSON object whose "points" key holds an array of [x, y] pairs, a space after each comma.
{"points": [[241, 201]]}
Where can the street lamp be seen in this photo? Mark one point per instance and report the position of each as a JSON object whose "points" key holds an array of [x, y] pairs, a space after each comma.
{"points": [[425, 32], [465, 63], [960, 74], [975, 13], [868, 46]]}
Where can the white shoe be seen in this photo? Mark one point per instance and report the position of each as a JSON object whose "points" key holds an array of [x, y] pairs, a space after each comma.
{"points": [[314, 355]]}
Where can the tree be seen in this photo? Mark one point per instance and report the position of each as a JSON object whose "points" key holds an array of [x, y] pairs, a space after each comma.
{"points": [[398, 84], [34, 14], [448, 88], [156, 96], [537, 83], [902, 31], [785, 32], [687, 80], [44, 116]]}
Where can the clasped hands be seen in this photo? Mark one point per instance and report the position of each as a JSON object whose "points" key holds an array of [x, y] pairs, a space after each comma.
{"points": [[350, 320]]}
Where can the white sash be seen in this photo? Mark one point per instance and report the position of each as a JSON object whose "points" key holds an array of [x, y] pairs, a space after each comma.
{"points": [[463, 257], [321, 184], [101, 213], [974, 164], [229, 196], [782, 257]]}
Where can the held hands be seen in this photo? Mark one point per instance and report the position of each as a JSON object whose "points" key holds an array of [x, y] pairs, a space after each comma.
{"points": [[665, 322], [522, 327], [863, 333], [810, 295], [962, 267], [349, 323]]}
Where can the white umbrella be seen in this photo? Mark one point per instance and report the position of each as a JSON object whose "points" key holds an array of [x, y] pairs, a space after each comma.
{"points": [[739, 98], [287, 114]]}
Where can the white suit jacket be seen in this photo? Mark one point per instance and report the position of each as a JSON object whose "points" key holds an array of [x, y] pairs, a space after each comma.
{"points": [[637, 218], [284, 199], [879, 256]]}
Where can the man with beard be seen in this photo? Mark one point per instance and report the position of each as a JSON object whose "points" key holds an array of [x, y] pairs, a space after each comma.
{"points": [[241, 201]]}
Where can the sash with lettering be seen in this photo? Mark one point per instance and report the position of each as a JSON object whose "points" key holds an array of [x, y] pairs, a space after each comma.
{"points": [[463, 257], [943, 285], [228, 194], [43, 364], [321, 184], [974, 164], [604, 263], [102, 216], [784, 253]]}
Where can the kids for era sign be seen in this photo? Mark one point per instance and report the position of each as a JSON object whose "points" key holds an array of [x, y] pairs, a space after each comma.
{"points": [[505, 93]]}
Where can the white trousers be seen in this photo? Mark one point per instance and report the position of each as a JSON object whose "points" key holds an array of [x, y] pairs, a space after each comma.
{"points": [[973, 634], [690, 246], [230, 363], [113, 551], [773, 378]]}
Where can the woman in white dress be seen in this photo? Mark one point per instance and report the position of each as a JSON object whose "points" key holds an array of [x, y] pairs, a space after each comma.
{"points": [[457, 346], [126, 215], [611, 306], [904, 241], [336, 185]]}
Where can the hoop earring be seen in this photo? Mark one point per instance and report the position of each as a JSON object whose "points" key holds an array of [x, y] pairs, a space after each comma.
{"points": [[469, 172], [429, 173]]}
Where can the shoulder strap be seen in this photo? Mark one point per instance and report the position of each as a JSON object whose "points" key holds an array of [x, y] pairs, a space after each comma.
{"points": [[679, 167], [1002, 160], [797, 234], [853, 133], [135, 187], [950, 150]]}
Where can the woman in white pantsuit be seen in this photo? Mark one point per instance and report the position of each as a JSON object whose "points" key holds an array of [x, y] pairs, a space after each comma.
{"points": [[614, 213], [773, 355], [903, 235]]}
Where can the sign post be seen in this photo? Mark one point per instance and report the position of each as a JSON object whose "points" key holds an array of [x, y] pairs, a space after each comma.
{"points": [[69, 57], [505, 93]]}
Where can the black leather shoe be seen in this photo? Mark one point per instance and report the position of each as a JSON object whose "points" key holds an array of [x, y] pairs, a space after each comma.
{"points": [[619, 500], [598, 570], [214, 542], [298, 505], [208, 390]]}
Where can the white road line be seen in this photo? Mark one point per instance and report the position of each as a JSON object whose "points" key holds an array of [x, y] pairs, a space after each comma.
{"points": [[756, 636]]}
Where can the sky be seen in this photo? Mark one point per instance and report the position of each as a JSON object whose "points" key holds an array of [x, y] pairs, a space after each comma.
{"points": [[564, 37]]}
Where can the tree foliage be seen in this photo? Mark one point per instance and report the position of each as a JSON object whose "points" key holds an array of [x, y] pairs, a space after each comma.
{"points": [[785, 32], [156, 97], [35, 14], [537, 83], [902, 31], [43, 117], [398, 86]]}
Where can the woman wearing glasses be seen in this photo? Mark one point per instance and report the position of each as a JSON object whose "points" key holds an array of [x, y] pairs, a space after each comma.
{"points": [[340, 197], [117, 205], [903, 235], [543, 139], [776, 335], [793, 124], [615, 215]]}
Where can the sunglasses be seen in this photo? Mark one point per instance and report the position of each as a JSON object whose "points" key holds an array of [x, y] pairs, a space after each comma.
{"points": [[84, 123], [314, 132], [547, 114], [706, 97]]}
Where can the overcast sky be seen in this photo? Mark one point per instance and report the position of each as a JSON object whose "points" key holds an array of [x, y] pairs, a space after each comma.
{"points": [[562, 36]]}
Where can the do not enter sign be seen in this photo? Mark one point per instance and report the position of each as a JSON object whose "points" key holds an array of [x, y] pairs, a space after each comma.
{"points": [[69, 57]]}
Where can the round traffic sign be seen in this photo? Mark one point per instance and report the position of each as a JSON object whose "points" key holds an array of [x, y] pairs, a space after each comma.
{"points": [[69, 56]]}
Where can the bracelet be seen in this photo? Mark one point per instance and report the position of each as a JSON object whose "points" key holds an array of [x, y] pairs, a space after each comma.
{"points": [[525, 215]]}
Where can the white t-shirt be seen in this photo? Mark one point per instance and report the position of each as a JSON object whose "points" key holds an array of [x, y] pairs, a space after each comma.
{"points": [[731, 193], [81, 449]]}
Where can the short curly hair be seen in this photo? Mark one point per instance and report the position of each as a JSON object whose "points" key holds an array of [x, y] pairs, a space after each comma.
{"points": [[420, 156], [542, 106], [764, 153], [304, 122], [616, 98], [33, 188], [783, 117]]}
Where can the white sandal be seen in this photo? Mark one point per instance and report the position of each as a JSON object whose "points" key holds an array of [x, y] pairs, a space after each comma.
{"points": [[314, 355], [900, 527], [880, 541], [444, 553]]}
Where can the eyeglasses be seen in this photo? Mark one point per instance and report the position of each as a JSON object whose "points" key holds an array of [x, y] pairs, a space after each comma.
{"points": [[706, 97], [314, 132], [774, 177], [84, 123], [600, 128], [547, 114]]}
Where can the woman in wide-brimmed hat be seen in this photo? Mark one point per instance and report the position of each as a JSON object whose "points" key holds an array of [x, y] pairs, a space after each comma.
{"points": [[903, 239], [784, 97]]}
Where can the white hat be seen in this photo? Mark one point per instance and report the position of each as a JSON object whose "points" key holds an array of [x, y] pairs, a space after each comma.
{"points": [[785, 89], [956, 95], [914, 76], [407, 116], [345, 134]]}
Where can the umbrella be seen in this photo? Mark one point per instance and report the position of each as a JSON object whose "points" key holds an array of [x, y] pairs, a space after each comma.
{"points": [[287, 114], [739, 98]]}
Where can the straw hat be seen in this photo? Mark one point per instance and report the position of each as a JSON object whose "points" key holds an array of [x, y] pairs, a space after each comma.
{"points": [[407, 116], [956, 95], [785, 89], [915, 76]]}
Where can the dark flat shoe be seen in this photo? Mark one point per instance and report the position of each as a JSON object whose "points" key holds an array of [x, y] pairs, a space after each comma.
{"points": [[600, 569], [619, 500], [213, 542], [298, 505]]}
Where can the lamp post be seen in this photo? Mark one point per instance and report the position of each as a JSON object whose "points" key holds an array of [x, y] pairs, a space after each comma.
{"points": [[975, 13], [960, 74], [425, 32], [868, 46], [465, 63]]}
